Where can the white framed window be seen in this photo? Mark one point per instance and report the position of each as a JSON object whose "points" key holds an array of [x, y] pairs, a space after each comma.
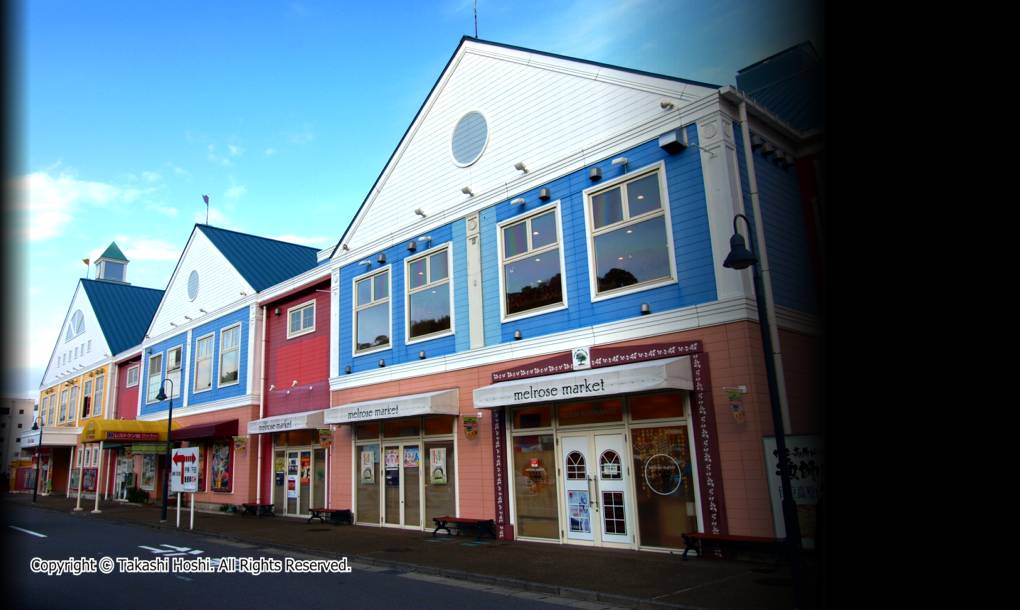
{"points": [[230, 353], [132, 375], [97, 396], [173, 369], [203, 363], [301, 319], [77, 325], [86, 400], [155, 377], [73, 403], [372, 322], [429, 303], [630, 239], [531, 264], [63, 406]]}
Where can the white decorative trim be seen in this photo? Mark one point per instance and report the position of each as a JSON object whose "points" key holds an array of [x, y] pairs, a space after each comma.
{"points": [[203, 320], [247, 400], [334, 321], [298, 282], [219, 359], [194, 360]]}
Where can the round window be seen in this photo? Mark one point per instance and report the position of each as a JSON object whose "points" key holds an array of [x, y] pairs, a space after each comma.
{"points": [[193, 285], [469, 138]]}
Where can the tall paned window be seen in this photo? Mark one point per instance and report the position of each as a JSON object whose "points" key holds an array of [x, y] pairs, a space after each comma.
{"points": [[173, 370], [132, 376], [532, 278], [63, 405], [230, 350], [74, 402], [155, 377], [630, 236], [86, 399], [428, 298], [372, 312], [203, 363], [97, 397]]}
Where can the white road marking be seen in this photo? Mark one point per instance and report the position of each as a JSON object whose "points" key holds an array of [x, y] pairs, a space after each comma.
{"points": [[20, 529]]}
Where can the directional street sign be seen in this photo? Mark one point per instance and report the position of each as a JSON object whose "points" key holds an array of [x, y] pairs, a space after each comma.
{"points": [[184, 470]]}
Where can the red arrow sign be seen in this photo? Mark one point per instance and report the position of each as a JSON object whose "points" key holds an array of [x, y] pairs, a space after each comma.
{"points": [[180, 458]]}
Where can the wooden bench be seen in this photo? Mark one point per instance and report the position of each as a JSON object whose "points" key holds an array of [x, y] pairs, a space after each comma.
{"points": [[336, 515], [461, 523], [258, 510], [699, 541]]}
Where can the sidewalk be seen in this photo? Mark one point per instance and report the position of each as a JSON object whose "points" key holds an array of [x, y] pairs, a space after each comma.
{"points": [[617, 577]]}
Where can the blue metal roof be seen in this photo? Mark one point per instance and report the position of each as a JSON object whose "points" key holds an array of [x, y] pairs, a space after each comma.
{"points": [[124, 311], [263, 262], [790, 84]]}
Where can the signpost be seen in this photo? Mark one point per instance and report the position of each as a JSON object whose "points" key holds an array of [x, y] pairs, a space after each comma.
{"points": [[184, 478]]}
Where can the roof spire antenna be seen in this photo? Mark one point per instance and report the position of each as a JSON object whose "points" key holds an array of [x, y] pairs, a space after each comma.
{"points": [[205, 198], [476, 18]]}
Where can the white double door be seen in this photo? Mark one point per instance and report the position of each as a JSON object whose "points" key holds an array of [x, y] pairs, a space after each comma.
{"points": [[596, 488]]}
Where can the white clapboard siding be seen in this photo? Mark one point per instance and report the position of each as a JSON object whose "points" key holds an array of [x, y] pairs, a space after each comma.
{"points": [[538, 110], [219, 285], [99, 352]]}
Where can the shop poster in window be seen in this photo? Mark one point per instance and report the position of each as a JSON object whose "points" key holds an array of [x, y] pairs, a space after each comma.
{"points": [[411, 457], [437, 465], [392, 467], [367, 467], [221, 467], [148, 482], [292, 487], [306, 469]]}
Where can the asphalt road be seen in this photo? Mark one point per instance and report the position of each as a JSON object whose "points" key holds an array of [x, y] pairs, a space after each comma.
{"points": [[30, 533]]}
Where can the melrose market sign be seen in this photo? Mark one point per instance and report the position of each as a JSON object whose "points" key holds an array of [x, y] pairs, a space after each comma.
{"points": [[283, 423], [445, 402], [669, 373]]}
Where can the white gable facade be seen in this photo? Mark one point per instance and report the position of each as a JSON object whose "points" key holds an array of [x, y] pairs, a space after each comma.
{"points": [[204, 280], [82, 348], [550, 114]]}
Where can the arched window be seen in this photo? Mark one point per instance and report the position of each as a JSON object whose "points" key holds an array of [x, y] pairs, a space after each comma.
{"points": [[575, 465], [77, 325], [609, 465]]}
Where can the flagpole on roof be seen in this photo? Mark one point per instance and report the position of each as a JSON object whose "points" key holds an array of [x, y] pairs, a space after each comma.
{"points": [[206, 199], [86, 261]]}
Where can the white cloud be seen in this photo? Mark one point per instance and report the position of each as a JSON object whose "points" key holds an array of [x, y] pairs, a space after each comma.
{"points": [[215, 158], [165, 210], [269, 152], [51, 201], [235, 151], [151, 176], [235, 192]]}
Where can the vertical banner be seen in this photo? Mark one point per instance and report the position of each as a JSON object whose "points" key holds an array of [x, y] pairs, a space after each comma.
{"points": [[706, 445], [504, 531], [437, 462], [367, 467]]}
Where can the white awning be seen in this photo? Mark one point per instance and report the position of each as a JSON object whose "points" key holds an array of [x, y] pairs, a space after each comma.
{"points": [[444, 402], [51, 437], [283, 423], [670, 373]]}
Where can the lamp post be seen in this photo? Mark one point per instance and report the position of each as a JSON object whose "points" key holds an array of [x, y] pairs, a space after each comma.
{"points": [[37, 425], [741, 258], [169, 417]]}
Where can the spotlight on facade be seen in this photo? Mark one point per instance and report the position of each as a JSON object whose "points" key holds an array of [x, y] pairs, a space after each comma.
{"points": [[544, 194], [518, 201], [419, 212], [412, 246], [421, 355], [519, 166], [382, 363], [595, 174], [467, 191], [645, 309], [382, 258], [517, 335]]}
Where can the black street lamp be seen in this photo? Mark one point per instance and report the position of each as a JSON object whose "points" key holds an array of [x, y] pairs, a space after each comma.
{"points": [[169, 417], [37, 425], [741, 258]]}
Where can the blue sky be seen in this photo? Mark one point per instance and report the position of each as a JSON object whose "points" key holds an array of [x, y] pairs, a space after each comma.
{"points": [[284, 113]]}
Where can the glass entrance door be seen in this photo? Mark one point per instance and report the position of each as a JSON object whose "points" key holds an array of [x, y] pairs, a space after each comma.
{"points": [[595, 486], [300, 485], [402, 485]]}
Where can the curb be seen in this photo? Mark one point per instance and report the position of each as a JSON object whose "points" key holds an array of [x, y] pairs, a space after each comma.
{"points": [[450, 573]]}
